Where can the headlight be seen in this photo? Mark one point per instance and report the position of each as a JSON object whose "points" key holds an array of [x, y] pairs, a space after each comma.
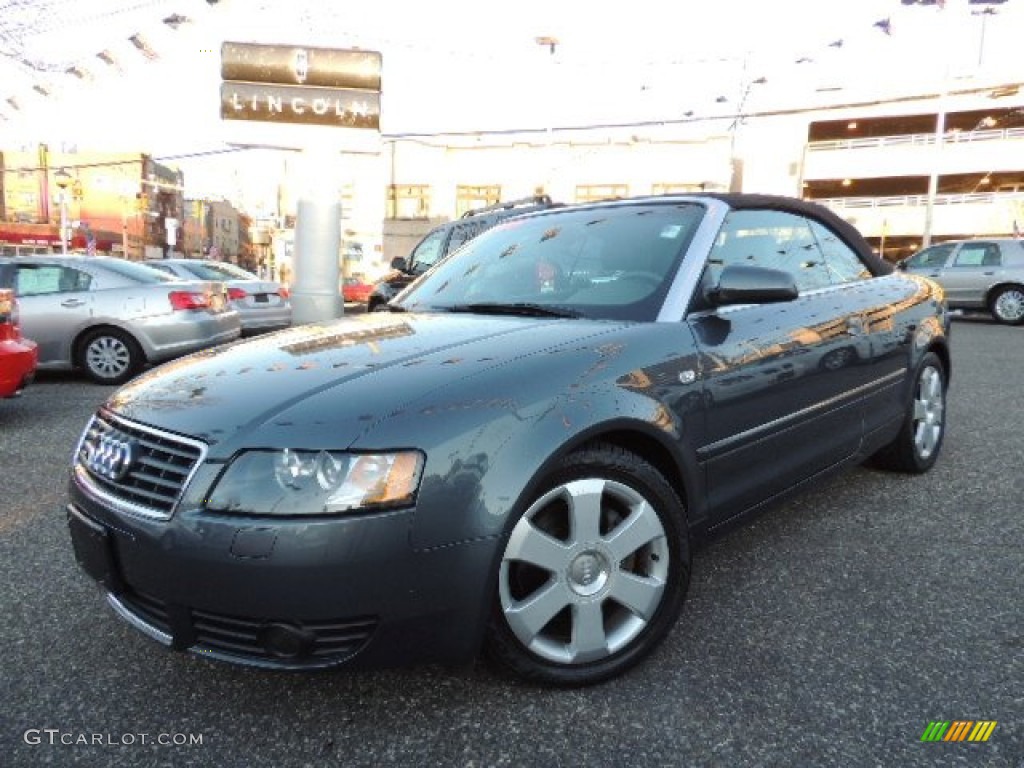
{"points": [[293, 482]]}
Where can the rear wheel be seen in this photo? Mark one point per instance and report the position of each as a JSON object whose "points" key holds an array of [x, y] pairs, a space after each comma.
{"points": [[917, 446], [109, 356], [1007, 305], [594, 572]]}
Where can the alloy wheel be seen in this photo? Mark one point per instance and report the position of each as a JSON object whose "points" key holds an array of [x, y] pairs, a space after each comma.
{"points": [[929, 408], [584, 571], [108, 357], [1009, 306]]}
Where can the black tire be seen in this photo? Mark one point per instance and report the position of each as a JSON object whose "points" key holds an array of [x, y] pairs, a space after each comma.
{"points": [[584, 568], [917, 446], [109, 356], [1007, 304]]}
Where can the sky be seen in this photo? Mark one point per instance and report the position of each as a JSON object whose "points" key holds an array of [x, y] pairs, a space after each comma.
{"points": [[457, 65]]}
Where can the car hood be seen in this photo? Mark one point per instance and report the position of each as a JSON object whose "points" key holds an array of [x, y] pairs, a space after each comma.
{"points": [[281, 385]]}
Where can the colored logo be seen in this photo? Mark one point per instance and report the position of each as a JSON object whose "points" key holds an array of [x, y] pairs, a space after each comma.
{"points": [[959, 730]]}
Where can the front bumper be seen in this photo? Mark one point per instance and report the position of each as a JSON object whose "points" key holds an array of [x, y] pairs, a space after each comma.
{"points": [[288, 594]]}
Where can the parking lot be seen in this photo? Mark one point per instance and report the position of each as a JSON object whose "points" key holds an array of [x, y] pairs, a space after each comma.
{"points": [[829, 631]]}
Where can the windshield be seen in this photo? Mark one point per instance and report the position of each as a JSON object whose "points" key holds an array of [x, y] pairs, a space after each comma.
{"points": [[601, 263], [140, 273]]}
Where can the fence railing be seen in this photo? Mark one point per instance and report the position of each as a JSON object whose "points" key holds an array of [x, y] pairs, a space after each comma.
{"points": [[917, 139], [845, 203]]}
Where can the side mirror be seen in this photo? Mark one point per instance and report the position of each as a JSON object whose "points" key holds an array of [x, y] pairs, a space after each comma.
{"points": [[399, 263], [740, 284]]}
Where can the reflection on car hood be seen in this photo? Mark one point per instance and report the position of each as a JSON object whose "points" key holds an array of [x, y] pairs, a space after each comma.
{"points": [[271, 384]]}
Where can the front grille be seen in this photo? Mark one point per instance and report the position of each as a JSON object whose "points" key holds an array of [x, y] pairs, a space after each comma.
{"points": [[153, 479], [243, 639]]}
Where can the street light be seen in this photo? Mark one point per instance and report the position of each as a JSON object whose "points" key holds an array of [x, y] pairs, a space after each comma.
{"points": [[63, 178], [551, 43]]}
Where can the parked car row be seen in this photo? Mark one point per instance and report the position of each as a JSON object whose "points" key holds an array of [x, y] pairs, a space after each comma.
{"points": [[108, 317], [262, 305]]}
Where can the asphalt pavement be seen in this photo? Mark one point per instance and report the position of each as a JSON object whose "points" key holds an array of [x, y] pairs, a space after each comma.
{"points": [[829, 631]]}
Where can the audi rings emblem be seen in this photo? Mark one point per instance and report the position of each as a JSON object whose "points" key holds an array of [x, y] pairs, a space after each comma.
{"points": [[109, 457]]}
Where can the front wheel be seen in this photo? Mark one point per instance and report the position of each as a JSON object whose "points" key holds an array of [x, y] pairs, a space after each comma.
{"points": [[917, 446], [110, 356], [594, 572], [1007, 305]]}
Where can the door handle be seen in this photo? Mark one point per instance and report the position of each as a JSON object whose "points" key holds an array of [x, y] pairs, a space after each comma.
{"points": [[71, 303]]}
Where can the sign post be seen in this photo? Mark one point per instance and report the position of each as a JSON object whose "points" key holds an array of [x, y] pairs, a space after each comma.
{"points": [[336, 93]]}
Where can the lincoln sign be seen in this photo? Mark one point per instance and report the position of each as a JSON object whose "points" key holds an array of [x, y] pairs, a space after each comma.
{"points": [[292, 84]]}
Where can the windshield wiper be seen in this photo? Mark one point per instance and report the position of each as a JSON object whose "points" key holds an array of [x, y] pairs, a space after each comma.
{"points": [[525, 309]]}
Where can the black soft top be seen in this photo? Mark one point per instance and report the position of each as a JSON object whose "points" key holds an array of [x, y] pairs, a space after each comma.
{"points": [[850, 235]]}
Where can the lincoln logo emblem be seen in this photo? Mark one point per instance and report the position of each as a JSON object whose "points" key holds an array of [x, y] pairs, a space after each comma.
{"points": [[109, 457], [301, 65]]}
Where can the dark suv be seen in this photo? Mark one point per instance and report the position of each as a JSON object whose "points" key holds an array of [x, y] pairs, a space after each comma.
{"points": [[444, 239]]}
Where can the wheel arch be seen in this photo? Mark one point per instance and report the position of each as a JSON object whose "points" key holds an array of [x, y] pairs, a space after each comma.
{"points": [[658, 448], [1003, 284], [941, 349]]}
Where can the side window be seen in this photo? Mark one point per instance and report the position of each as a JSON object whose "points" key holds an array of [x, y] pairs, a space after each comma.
{"points": [[935, 256], [841, 261], [37, 280], [74, 280], [463, 233], [771, 239], [33, 280], [425, 254], [978, 255]]}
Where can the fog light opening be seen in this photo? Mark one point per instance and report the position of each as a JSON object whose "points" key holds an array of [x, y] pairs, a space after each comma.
{"points": [[286, 641]]}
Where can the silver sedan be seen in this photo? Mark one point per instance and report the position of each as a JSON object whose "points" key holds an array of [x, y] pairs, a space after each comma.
{"points": [[109, 316], [262, 304], [977, 274]]}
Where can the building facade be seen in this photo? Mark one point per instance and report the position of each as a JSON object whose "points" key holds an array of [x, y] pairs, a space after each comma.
{"points": [[115, 203], [873, 163]]}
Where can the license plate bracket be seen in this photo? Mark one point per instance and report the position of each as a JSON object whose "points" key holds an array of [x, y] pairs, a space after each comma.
{"points": [[94, 550]]}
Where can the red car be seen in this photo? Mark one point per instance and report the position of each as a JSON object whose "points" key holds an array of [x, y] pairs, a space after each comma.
{"points": [[18, 355], [354, 289]]}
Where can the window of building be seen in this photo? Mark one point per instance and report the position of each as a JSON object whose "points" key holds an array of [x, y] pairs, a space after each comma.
{"points": [[589, 193], [347, 201], [469, 198], [673, 188], [408, 201]]}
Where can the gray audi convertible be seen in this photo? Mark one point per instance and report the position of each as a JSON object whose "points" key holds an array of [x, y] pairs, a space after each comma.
{"points": [[519, 457]]}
